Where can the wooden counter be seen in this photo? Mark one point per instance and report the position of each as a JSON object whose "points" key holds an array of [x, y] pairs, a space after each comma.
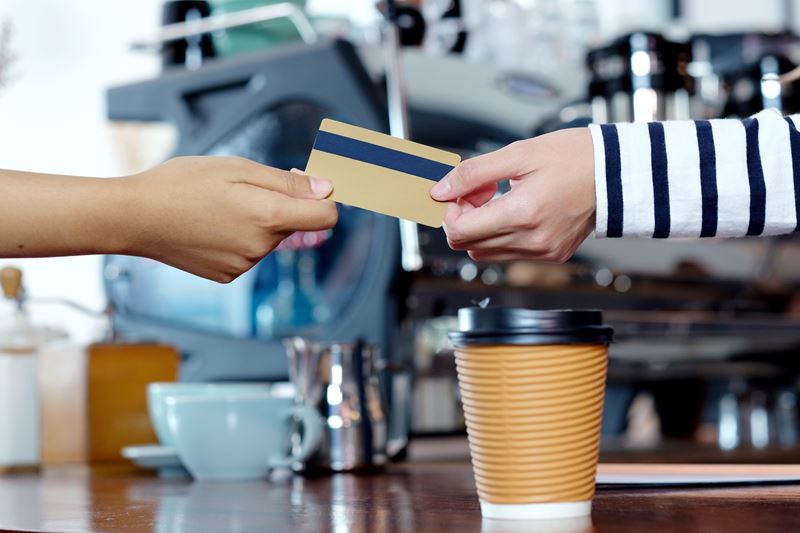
{"points": [[416, 497]]}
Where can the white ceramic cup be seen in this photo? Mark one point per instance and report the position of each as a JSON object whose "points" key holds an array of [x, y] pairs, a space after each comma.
{"points": [[157, 393], [240, 435]]}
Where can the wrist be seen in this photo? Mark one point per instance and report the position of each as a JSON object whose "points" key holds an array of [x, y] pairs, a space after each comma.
{"points": [[117, 225], [598, 179], [588, 176]]}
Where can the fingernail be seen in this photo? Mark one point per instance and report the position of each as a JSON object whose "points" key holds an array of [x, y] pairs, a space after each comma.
{"points": [[440, 190], [296, 171], [321, 188]]}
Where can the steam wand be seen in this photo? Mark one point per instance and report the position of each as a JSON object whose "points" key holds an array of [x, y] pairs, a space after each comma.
{"points": [[410, 257]]}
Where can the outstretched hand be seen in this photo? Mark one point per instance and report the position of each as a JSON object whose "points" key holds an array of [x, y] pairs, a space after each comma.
{"points": [[218, 216], [215, 217], [546, 215]]}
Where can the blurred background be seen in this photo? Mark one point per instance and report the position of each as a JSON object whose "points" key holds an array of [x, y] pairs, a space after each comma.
{"points": [[705, 364]]}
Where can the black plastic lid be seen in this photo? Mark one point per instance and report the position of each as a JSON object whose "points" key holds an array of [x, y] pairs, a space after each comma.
{"points": [[515, 325]]}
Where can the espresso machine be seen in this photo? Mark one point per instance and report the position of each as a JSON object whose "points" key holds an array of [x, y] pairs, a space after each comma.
{"points": [[682, 311], [640, 77]]}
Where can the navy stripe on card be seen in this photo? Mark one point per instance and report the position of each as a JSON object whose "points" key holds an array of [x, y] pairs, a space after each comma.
{"points": [[794, 140], [708, 177], [613, 179], [658, 164], [755, 173], [380, 155]]}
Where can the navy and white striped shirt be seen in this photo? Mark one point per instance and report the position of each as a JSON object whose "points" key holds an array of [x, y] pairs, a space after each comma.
{"points": [[703, 178]]}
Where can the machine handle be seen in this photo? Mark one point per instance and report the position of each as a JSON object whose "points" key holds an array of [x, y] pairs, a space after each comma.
{"points": [[246, 17]]}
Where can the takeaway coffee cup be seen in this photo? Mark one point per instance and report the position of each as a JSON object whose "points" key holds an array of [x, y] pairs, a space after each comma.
{"points": [[532, 384]]}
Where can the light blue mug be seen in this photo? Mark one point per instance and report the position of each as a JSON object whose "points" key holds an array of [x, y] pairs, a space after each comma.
{"points": [[157, 393], [240, 436]]}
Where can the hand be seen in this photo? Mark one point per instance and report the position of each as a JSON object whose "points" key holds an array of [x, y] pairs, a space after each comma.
{"points": [[216, 217], [545, 216]]}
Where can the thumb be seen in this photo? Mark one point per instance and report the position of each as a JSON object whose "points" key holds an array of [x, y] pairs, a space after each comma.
{"points": [[319, 188], [473, 174], [295, 183]]}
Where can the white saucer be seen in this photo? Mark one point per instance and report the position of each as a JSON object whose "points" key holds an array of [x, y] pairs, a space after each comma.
{"points": [[155, 457]]}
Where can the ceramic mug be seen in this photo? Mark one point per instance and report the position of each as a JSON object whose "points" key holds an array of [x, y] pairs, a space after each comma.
{"points": [[157, 393], [240, 436]]}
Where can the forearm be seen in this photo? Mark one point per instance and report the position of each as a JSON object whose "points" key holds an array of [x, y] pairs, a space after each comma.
{"points": [[718, 178], [49, 215]]}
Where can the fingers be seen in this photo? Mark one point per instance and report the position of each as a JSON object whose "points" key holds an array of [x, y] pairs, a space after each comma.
{"points": [[507, 240], [294, 184], [291, 200], [508, 162], [480, 196], [495, 256], [289, 214], [534, 245], [503, 256], [465, 224]]}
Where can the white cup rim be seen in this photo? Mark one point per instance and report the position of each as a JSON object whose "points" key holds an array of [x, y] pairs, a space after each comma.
{"points": [[209, 384], [227, 397]]}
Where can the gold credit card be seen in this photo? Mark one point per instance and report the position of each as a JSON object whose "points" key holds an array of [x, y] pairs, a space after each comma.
{"points": [[379, 172]]}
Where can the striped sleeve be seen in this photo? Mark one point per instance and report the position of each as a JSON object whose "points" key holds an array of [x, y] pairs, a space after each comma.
{"points": [[703, 178]]}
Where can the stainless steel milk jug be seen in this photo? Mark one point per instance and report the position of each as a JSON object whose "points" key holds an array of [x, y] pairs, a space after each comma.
{"points": [[341, 381]]}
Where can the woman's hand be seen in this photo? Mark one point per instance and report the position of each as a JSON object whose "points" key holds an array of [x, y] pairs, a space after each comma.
{"points": [[546, 215], [216, 217]]}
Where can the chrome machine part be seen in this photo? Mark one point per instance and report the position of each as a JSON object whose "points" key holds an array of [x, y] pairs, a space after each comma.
{"points": [[452, 112], [411, 257], [640, 77], [192, 51]]}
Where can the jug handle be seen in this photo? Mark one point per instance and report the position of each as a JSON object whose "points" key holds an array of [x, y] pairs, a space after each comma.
{"points": [[311, 423], [399, 415]]}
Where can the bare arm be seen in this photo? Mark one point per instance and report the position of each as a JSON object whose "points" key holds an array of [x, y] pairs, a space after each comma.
{"points": [[211, 216], [48, 215]]}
